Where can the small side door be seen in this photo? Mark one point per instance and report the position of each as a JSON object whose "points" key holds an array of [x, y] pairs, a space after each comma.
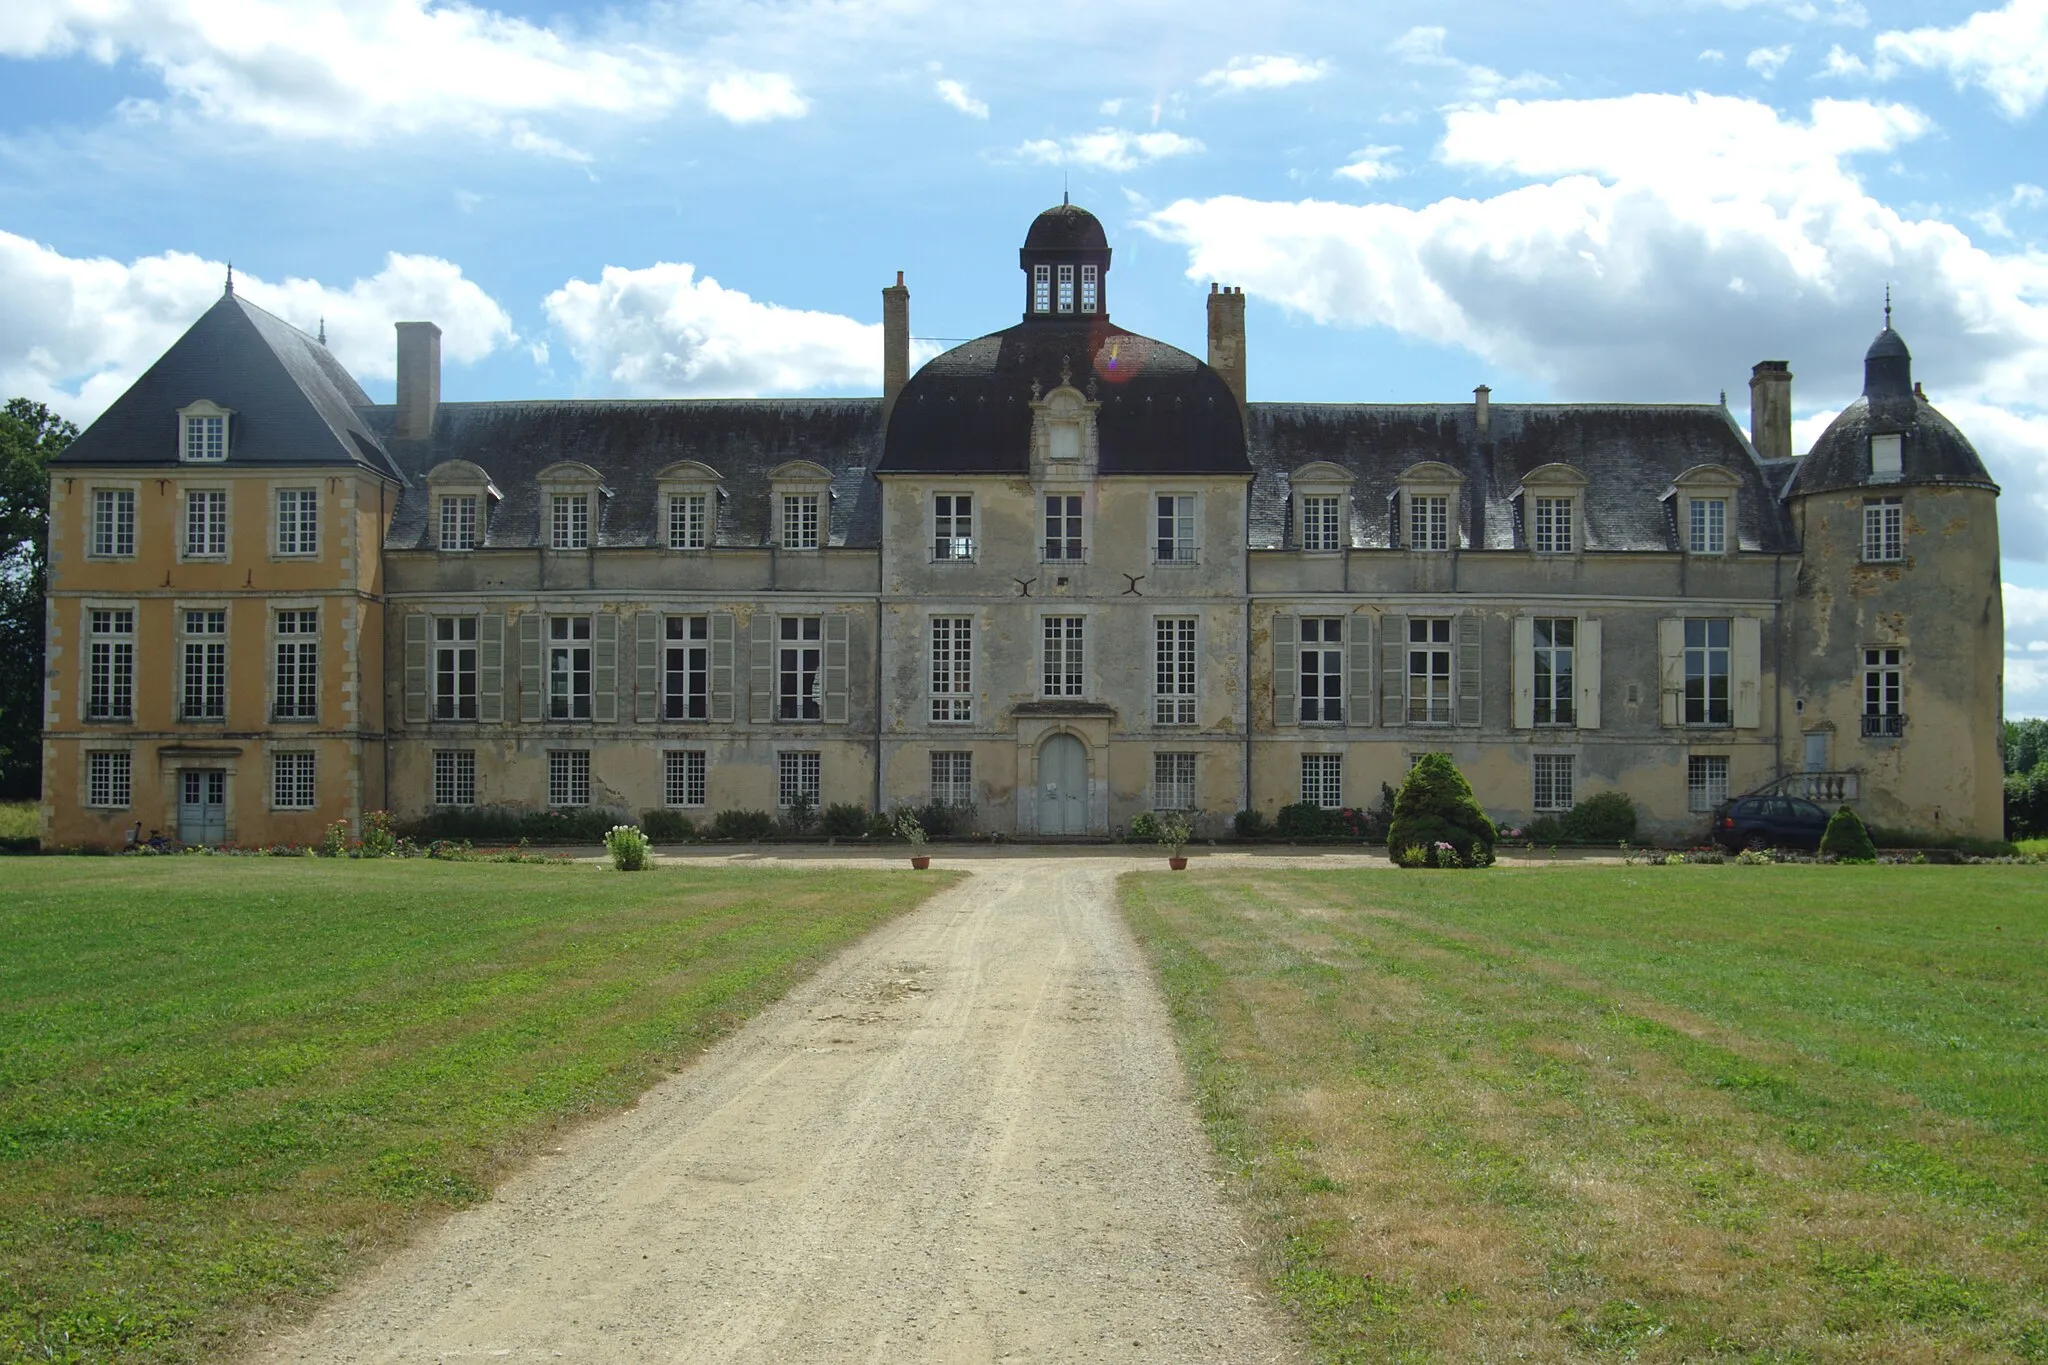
{"points": [[203, 806]]}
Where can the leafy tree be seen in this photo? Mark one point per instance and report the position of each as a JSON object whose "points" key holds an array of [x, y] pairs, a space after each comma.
{"points": [[30, 437], [1436, 806], [1847, 839], [2026, 745]]}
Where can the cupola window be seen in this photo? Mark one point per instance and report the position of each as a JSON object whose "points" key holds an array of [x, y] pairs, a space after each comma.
{"points": [[1066, 289], [1041, 289], [1091, 294], [1887, 456]]}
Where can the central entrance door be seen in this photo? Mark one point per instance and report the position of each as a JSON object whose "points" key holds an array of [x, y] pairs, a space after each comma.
{"points": [[203, 806], [1063, 786]]}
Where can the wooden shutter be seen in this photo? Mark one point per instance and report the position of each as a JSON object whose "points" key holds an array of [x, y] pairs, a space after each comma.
{"points": [[1671, 668], [1286, 670], [1588, 677], [721, 667], [530, 705], [1469, 625], [604, 667], [490, 667], [762, 668], [835, 668], [1358, 657], [1525, 672], [1746, 671], [416, 625], [646, 666], [1393, 670]]}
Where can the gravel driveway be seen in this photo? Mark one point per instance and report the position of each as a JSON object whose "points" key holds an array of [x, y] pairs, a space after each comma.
{"points": [[966, 1139]]}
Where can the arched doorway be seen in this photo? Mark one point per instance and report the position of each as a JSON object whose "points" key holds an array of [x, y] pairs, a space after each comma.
{"points": [[1063, 786]]}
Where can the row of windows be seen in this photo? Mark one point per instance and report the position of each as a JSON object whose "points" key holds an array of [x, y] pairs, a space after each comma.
{"points": [[1553, 780], [110, 781], [1052, 289], [201, 677], [688, 523], [204, 524]]}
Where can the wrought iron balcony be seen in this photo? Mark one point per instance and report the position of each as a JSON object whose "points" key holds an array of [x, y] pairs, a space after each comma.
{"points": [[1884, 727]]}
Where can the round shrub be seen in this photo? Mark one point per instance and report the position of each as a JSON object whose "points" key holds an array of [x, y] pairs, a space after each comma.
{"points": [[1435, 811], [1607, 818], [1144, 828], [845, 820], [1305, 820], [1847, 839], [1251, 824], [628, 847]]}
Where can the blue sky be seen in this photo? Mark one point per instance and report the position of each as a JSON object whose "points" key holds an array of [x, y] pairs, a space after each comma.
{"points": [[1622, 202]]}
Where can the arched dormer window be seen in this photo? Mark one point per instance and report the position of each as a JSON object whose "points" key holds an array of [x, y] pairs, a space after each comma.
{"points": [[802, 505], [203, 433], [1552, 504], [572, 495], [689, 494], [1322, 507], [460, 495], [1063, 438], [1705, 507], [1428, 498]]}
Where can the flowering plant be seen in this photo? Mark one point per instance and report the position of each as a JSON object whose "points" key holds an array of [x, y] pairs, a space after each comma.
{"points": [[628, 847]]}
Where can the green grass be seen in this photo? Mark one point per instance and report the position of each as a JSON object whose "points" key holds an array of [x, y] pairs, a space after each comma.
{"points": [[1659, 1114], [227, 1083], [19, 820]]}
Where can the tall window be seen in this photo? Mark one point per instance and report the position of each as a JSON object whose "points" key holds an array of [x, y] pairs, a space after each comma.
{"points": [[206, 438], [1062, 527], [688, 522], [113, 522], [1706, 781], [291, 781], [298, 666], [1173, 670], [1553, 780], [1884, 691], [1884, 531], [454, 777], [107, 778], [1091, 296], [952, 668], [569, 670], [1887, 456], [686, 670], [1173, 539], [953, 777], [110, 672], [800, 691], [455, 668], [1322, 780], [1555, 686], [1429, 670], [571, 522], [799, 521], [1041, 289], [1066, 289], [1429, 521], [568, 777], [298, 521], [206, 523], [458, 521], [205, 680], [1553, 526], [1063, 664], [1707, 532], [1706, 672], [1322, 669], [952, 526], [682, 777], [1319, 524], [797, 775], [1173, 781]]}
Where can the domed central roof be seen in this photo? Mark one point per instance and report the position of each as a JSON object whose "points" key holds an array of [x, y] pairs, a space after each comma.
{"points": [[1066, 227], [1888, 346]]}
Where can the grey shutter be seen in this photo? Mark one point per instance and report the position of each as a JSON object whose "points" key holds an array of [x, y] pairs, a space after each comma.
{"points": [[1393, 670], [1671, 668], [646, 666], [762, 668], [529, 666], [415, 667], [1358, 655], [721, 667], [1525, 672], [835, 668], [1745, 665], [490, 667], [1469, 626], [1589, 675], [604, 667], [1286, 670]]}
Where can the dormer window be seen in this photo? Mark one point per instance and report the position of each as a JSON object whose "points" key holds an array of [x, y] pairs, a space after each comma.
{"points": [[1066, 289], [1091, 292], [572, 506], [1706, 509], [1550, 501], [1322, 494], [802, 493], [689, 505], [1319, 522], [458, 521], [1429, 521], [570, 527], [1887, 456], [1041, 289], [203, 433], [1429, 495], [1065, 440], [1707, 526], [463, 494], [800, 521]]}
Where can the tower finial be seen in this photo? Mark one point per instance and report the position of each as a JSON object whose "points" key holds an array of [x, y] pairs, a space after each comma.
{"points": [[1887, 305], [323, 331], [1066, 199], [231, 277]]}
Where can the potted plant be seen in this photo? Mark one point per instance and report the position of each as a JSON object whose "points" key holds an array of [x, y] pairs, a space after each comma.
{"points": [[1173, 836], [912, 833]]}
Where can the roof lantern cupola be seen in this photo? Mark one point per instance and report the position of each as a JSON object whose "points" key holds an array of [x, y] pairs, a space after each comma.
{"points": [[1888, 365], [1065, 258]]}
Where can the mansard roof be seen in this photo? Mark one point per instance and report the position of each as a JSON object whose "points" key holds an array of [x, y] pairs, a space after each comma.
{"points": [[1629, 454], [291, 400], [633, 445]]}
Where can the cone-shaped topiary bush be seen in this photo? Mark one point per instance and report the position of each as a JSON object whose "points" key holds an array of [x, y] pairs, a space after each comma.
{"points": [[1847, 839], [1436, 814]]}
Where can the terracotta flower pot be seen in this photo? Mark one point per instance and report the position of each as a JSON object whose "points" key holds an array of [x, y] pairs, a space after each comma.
{"points": [[1177, 863], [921, 861]]}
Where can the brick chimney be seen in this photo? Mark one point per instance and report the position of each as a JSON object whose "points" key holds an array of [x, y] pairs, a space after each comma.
{"points": [[895, 343], [1482, 411], [1770, 409], [1226, 338], [419, 380]]}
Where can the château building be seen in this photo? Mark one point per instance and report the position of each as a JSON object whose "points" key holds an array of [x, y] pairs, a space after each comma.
{"points": [[1064, 572]]}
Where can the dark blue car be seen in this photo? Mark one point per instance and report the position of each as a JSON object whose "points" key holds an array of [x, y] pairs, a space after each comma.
{"points": [[1770, 822]]}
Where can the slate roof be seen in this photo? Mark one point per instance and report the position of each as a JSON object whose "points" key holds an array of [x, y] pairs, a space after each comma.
{"points": [[1933, 451], [1066, 227], [293, 403], [1629, 453], [629, 443]]}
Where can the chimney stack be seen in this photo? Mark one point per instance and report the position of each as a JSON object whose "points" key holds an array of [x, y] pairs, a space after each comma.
{"points": [[895, 343], [1482, 414], [1226, 339], [419, 380], [1770, 409]]}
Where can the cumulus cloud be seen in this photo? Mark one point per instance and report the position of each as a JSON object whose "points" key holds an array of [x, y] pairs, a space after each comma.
{"points": [[1368, 164], [2026, 651], [1423, 46], [77, 332], [1110, 149], [2003, 52], [955, 94], [755, 97], [1842, 64], [1765, 61], [1264, 73]]}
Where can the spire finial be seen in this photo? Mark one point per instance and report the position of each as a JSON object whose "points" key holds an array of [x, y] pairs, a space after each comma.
{"points": [[1887, 306], [231, 278], [1066, 199], [323, 331]]}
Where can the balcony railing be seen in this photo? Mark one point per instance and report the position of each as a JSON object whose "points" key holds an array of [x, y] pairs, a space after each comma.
{"points": [[1884, 727], [1823, 789]]}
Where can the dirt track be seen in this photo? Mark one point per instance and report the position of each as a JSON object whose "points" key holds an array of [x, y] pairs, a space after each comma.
{"points": [[966, 1139]]}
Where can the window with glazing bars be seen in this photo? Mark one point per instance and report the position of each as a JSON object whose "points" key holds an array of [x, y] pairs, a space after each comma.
{"points": [[298, 521], [206, 438], [205, 682], [571, 522], [1429, 670], [1062, 527], [682, 777], [1173, 781], [113, 522], [1063, 673], [800, 688], [1319, 523], [454, 777], [1173, 539], [107, 777], [1322, 669], [1883, 682], [952, 668], [110, 670], [1553, 781], [1090, 289], [1708, 526], [1706, 781], [458, 521], [455, 668], [1884, 531], [1553, 526], [1429, 521], [1706, 672], [1173, 670], [1322, 780], [206, 523], [799, 521], [568, 777], [291, 781], [1556, 700], [953, 777], [297, 681], [569, 668], [1041, 289], [952, 526], [1066, 289], [688, 520], [797, 774], [686, 671]]}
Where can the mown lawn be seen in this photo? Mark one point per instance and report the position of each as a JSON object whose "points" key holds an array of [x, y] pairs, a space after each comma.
{"points": [[226, 1083], [1703, 1113]]}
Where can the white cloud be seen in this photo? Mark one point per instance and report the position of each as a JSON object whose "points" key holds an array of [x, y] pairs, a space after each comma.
{"points": [[1368, 164], [79, 331], [1265, 73], [525, 139], [665, 331], [1110, 149], [955, 94], [755, 97], [1765, 61], [1111, 108], [1423, 46], [2026, 672], [2004, 52], [2025, 196], [1844, 64], [1713, 55]]}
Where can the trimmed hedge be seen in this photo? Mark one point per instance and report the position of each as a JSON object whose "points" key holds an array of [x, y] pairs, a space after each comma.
{"points": [[1436, 806], [501, 825], [1847, 839]]}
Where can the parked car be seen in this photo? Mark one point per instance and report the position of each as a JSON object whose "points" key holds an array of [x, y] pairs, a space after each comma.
{"points": [[1770, 822]]}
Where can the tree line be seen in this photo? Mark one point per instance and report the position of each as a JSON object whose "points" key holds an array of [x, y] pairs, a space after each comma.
{"points": [[30, 437]]}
